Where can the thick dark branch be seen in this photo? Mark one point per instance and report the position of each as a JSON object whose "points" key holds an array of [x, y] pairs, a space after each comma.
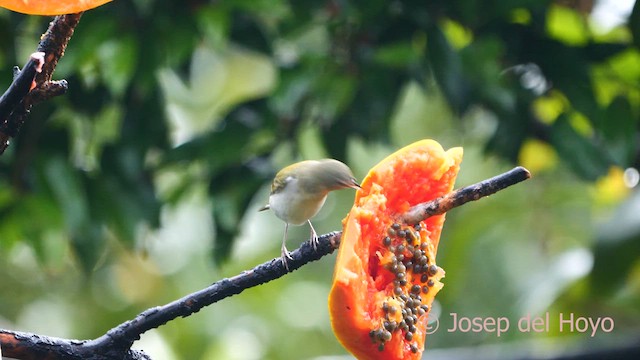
{"points": [[22, 82], [116, 343], [130, 331], [26, 346], [52, 44]]}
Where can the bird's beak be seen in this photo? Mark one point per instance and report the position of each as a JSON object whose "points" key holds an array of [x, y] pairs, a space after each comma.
{"points": [[266, 207], [354, 184]]}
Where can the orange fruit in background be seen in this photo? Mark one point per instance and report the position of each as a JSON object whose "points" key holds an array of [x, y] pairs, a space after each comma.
{"points": [[50, 7], [386, 276]]}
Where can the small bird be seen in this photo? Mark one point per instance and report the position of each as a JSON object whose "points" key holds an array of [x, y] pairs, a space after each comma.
{"points": [[299, 191]]}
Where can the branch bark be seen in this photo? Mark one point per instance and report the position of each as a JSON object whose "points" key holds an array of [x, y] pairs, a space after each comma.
{"points": [[116, 343], [462, 196], [17, 101], [21, 85]]}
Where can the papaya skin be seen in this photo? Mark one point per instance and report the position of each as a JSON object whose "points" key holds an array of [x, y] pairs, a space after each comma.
{"points": [[48, 7], [362, 280]]}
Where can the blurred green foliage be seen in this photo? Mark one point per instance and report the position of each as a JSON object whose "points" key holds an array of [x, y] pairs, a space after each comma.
{"points": [[142, 183]]}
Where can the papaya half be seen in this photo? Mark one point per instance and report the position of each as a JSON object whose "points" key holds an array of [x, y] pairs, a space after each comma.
{"points": [[49, 7], [386, 276]]}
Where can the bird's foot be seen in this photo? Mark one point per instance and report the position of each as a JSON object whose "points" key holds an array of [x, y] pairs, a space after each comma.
{"points": [[315, 241], [314, 237], [284, 255]]}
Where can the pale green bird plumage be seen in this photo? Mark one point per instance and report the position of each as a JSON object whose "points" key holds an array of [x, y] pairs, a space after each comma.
{"points": [[299, 191]]}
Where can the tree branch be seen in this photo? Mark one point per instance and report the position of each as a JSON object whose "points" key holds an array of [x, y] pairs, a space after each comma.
{"points": [[27, 346], [116, 343], [21, 85], [17, 101], [462, 196]]}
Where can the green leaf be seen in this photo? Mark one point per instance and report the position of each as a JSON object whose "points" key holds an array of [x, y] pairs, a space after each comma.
{"points": [[447, 69], [617, 248], [398, 55], [124, 195], [292, 91], [634, 24], [214, 22], [231, 192], [88, 244], [581, 154], [118, 59], [68, 191], [332, 93], [618, 127], [212, 147], [219, 79], [567, 25], [598, 52]]}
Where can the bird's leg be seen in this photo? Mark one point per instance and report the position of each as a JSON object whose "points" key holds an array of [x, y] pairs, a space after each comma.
{"points": [[314, 236], [284, 253]]}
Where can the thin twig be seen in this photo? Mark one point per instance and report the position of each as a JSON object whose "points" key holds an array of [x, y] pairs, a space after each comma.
{"points": [[462, 196], [116, 343]]}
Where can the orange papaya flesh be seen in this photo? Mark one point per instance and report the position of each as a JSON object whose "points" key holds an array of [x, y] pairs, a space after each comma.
{"points": [[386, 277], [49, 7]]}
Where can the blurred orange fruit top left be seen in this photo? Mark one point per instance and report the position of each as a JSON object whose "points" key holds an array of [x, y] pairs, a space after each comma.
{"points": [[49, 7]]}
